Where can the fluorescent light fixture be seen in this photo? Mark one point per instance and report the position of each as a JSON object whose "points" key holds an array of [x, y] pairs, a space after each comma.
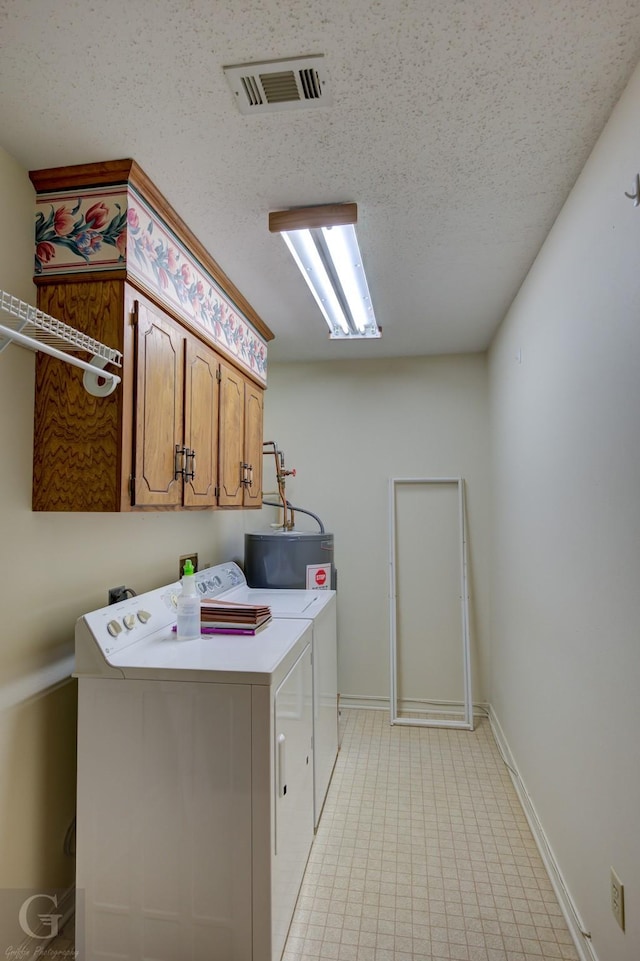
{"points": [[323, 243]]}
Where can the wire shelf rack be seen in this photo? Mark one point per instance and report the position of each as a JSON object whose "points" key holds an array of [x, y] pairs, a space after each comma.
{"points": [[30, 327]]}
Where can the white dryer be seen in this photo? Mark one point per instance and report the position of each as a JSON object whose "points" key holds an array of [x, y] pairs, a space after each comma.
{"points": [[195, 785], [318, 607]]}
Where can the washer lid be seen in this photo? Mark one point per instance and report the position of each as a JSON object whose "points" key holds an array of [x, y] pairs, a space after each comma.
{"points": [[288, 603]]}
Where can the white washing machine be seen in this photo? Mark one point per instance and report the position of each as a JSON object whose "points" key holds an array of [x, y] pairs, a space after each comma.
{"points": [[319, 608], [195, 785]]}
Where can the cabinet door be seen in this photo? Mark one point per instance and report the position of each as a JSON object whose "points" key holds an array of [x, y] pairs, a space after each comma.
{"points": [[253, 422], [159, 408], [201, 424], [231, 437]]}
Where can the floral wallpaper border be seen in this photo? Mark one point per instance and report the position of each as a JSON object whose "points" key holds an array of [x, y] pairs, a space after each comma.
{"points": [[80, 231], [112, 228]]}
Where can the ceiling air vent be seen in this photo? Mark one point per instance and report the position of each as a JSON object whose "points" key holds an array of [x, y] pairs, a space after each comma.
{"points": [[277, 85]]}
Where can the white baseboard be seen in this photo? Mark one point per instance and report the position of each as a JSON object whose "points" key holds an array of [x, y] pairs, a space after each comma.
{"points": [[417, 706], [567, 905], [358, 701]]}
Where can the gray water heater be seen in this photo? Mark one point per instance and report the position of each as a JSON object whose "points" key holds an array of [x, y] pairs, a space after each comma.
{"points": [[284, 559]]}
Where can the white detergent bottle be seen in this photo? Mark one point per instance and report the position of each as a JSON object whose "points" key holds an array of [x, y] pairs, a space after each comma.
{"points": [[188, 606]]}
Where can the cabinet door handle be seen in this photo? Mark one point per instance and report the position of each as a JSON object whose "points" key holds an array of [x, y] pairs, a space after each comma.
{"points": [[250, 478], [190, 456], [178, 468], [244, 476]]}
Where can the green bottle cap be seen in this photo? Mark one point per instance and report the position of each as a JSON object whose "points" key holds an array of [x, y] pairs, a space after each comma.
{"points": [[187, 570]]}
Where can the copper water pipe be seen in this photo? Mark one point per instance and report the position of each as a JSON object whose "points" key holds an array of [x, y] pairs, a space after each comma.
{"points": [[281, 473]]}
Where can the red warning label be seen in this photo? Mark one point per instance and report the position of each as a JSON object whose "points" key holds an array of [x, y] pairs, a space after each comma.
{"points": [[318, 577]]}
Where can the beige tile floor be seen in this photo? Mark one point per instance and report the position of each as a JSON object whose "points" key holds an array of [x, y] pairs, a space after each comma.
{"points": [[423, 853]]}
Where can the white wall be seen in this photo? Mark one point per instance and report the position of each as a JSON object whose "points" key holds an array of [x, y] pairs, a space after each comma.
{"points": [[566, 515], [347, 427], [55, 567]]}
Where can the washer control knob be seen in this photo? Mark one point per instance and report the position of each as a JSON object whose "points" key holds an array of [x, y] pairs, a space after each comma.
{"points": [[144, 616], [114, 628], [129, 621]]}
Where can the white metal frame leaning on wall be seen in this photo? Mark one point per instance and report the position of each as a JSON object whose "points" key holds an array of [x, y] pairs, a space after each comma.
{"points": [[467, 723]]}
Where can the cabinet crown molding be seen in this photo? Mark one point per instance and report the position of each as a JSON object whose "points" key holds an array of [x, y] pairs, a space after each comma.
{"points": [[105, 217]]}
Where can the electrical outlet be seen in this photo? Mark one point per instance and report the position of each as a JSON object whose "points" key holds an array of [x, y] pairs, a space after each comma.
{"points": [[117, 594], [188, 557], [617, 898]]}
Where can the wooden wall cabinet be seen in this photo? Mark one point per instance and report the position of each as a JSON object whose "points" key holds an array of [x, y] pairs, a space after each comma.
{"points": [[175, 434], [241, 421], [183, 429]]}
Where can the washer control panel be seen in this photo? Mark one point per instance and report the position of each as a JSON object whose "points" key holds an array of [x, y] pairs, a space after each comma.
{"points": [[215, 580], [132, 620]]}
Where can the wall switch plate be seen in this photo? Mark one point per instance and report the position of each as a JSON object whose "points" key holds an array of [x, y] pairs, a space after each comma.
{"points": [[188, 557], [617, 898]]}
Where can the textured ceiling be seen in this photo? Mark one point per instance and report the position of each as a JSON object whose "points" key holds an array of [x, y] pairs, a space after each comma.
{"points": [[458, 127]]}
